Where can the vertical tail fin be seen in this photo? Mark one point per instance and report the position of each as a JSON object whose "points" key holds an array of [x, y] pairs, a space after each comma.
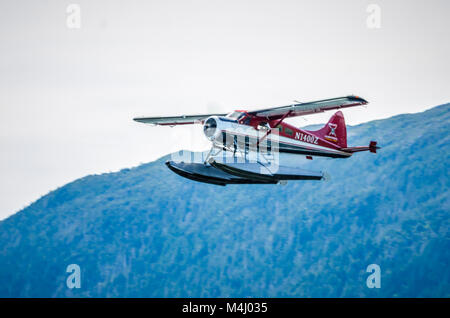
{"points": [[334, 131]]}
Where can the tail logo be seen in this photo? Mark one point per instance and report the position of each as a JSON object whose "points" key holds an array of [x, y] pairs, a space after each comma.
{"points": [[332, 134], [332, 129]]}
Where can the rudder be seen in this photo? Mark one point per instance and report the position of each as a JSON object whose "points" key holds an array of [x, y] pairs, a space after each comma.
{"points": [[334, 131]]}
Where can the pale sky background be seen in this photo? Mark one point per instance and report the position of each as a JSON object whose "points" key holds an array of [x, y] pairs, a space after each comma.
{"points": [[68, 96]]}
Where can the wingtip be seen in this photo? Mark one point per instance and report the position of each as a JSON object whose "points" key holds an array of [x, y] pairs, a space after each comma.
{"points": [[138, 119], [359, 99]]}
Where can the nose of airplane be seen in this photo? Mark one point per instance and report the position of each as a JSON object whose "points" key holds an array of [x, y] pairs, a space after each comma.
{"points": [[210, 127]]}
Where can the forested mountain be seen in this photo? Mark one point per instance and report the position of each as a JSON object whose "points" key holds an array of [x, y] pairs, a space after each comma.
{"points": [[146, 232]]}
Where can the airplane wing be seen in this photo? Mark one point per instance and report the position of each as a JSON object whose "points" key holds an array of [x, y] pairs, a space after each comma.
{"points": [[301, 109], [175, 120]]}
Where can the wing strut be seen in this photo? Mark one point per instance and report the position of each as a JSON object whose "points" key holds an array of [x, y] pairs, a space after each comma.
{"points": [[276, 125]]}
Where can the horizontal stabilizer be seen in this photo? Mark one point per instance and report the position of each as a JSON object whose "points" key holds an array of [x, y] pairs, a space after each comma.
{"points": [[372, 148]]}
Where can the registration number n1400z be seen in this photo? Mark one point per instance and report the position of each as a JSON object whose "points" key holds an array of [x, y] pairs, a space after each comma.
{"points": [[307, 138]]}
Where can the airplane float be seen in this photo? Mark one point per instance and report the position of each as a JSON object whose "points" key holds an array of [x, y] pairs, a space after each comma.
{"points": [[259, 147]]}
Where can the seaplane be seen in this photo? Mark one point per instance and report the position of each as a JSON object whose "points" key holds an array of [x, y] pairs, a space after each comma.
{"points": [[260, 147]]}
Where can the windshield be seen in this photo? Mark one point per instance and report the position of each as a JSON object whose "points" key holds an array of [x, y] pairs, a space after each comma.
{"points": [[235, 115]]}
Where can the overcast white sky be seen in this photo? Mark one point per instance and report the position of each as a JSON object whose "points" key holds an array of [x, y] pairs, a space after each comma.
{"points": [[68, 95]]}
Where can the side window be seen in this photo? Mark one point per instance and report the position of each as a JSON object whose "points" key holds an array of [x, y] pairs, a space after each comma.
{"points": [[288, 131]]}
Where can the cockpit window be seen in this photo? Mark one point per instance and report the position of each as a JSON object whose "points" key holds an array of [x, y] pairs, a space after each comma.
{"points": [[235, 115]]}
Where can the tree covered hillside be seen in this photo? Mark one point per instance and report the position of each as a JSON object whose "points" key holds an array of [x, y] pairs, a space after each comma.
{"points": [[146, 232]]}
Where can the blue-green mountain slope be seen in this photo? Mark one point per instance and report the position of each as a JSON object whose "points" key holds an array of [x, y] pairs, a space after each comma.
{"points": [[146, 232]]}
